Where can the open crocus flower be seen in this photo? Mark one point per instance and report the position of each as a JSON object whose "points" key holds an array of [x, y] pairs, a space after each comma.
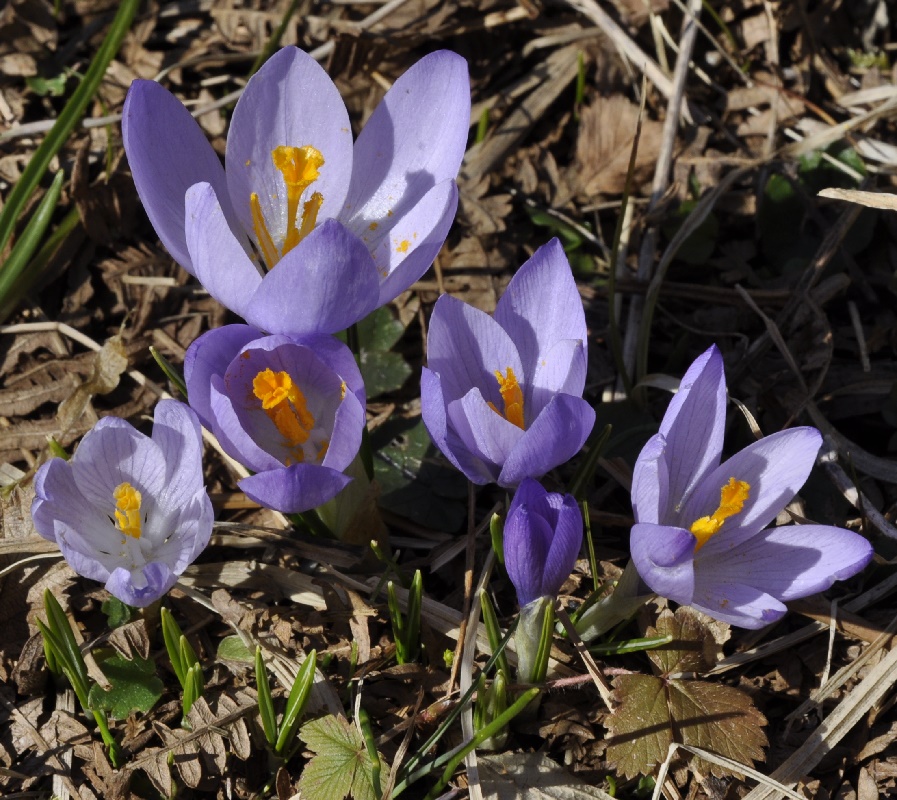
{"points": [[542, 537], [302, 232], [502, 398], [292, 412], [128, 510], [701, 536]]}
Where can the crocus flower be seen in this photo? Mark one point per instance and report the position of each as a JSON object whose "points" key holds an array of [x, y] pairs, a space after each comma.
{"points": [[542, 537], [290, 411], [502, 398], [129, 510], [702, 536], [348, 227]]}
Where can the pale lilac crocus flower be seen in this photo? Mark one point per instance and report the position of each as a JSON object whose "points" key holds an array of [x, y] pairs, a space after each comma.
{"points": [[502, 396], [291, 411], [702, 535], [302, 231], [129, 510], [542, 537]]}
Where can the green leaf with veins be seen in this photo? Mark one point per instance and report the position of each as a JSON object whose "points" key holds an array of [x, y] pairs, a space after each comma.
{"points": [[135, 687], [341, 766]]}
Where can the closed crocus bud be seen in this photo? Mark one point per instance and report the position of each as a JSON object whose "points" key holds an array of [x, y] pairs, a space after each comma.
{"points": [[303, 231], [291, 411], [542, 537], [129, 510]]}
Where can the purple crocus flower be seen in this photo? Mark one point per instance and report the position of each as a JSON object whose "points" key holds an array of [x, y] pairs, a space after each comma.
{"points": [[348, 227], [502, 398], [542, 537], [701, 536], [291, 411], [129, 510]]}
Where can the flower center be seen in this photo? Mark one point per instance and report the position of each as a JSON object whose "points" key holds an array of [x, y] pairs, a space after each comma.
{"points": [[300, 169], [732, 498], [127, 509], [285, 405], [512, 397]]}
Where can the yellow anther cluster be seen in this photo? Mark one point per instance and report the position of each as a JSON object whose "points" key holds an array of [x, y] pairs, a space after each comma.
{"points": [[732, 499], [127, 509], [300, 167], [286, 407], [512, 397]]}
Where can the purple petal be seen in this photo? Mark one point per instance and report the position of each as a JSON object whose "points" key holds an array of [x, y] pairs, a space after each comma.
{"points": [[192, 530], [484, 432], [228, 427], [529, 492], [557, 434], [176, 431], [220, 262], [168, 153], [323, 285], [414, 140], [542, 306], [158, 578], [664, 558], [433, 411], [294, 489], [340, 359], [694, 426], [466, 347], [736, 603], [565, 544], [347, 430], [791, 561], [527, 537], [289, 101], [404, 252], [775, 468], [562, 370], [210, 355], [650, 482], [85, 559]]}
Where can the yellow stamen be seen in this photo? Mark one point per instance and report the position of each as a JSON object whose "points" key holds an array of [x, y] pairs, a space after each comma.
{"points": [[127, 509], [511, 396], [732, 498], [285, 405], [299, 167], [266, 243]]}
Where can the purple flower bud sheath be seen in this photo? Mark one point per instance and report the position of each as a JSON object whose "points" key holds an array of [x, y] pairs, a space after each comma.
{"points": [[291, 411], [129, 510], [502, 396], [702, 535], [302, 231], [542, 537]]}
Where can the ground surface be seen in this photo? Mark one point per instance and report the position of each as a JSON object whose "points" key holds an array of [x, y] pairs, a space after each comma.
{"points": [[781, 101]]}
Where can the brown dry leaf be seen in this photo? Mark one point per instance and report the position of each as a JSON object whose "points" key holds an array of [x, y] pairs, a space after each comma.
{"points": [[131, 639], [532, 776], [109, 363], [694, 647], [603, 146], [637, 12], [21, 402]]}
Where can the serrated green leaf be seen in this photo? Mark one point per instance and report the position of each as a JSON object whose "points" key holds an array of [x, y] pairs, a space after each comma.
{"points": [[693, 648], [413, 482], [340, 767], [117, 613], [135, 687], [231, 648]]}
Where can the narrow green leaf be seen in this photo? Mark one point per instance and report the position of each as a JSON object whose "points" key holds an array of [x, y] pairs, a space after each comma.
{"points": [[171, 633], [370, 745], [497, 535], [412, 626], [193, 687], [630, 645], [171, 373], [188, 654], [493, 631], [305, 679], [266, 704], [70, 653]]}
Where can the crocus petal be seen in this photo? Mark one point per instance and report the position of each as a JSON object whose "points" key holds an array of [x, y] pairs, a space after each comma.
{"points": [[323, 285], [405, 252], [176, 431], [168, 153], [340, 359], [290, 101], [650, 481], [192, 524], [466, 347], [348, 425], [736, 603], [433, 411], [158, 580], [693, 426], [220, 262], [210, 355], [484, 432], [414, 140], [775, 468], [529, 492], [664, 558], [85, 559], [294, 489], [527, 537], [560, 370], [541, 306], [237, 443], [565, 544], [557, 434], [791, 561]]}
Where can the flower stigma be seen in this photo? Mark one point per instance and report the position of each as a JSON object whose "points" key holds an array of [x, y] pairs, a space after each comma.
{"points": [[732, 498], [511, 396], [286, 406], [300, 169], [127, 509]]}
